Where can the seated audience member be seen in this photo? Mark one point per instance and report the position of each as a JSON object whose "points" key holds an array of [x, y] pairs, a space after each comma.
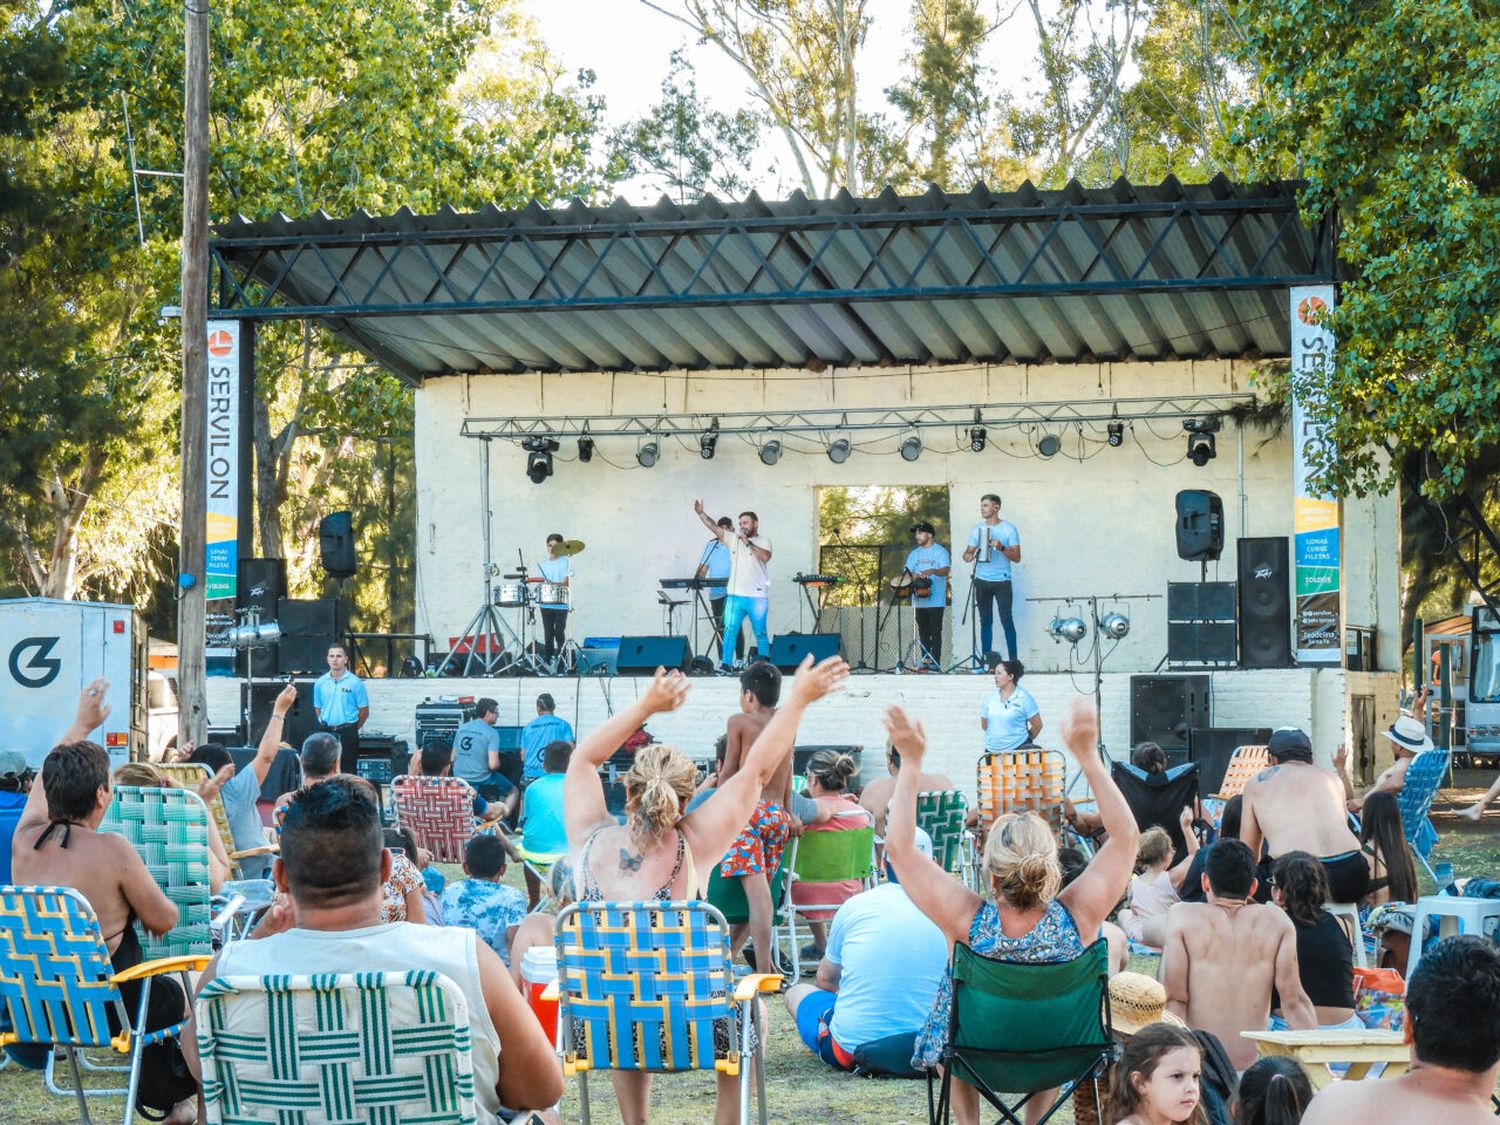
{"points": [[1222, 957], [409, 898], [332, 865], [1408, 738], [320, 760], [1074, 862], [658, 850], [544, 832], [1191, 889], [828, 774], [1295, 806], [1156, 1079], [241, 793], [481, 901], [144, 775], [1157, 794], [1382, 837], [57, 843], [537, 927], [436, 760], [1453, 1027], [16, 779], [1026, 915], [1153, 889], [1325, 953], [877, 979], [1274, 1091], [876, 796]]}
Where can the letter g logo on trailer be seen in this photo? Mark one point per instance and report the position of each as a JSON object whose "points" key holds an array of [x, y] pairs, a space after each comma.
{"points": [[42, 662]]}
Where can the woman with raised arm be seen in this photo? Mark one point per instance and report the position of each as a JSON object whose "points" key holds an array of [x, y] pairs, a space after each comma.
{"points": [[658, 851], [1028, 915]]}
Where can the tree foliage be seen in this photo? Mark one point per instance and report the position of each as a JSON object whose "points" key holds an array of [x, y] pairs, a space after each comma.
{"points": [[1390, 114]]}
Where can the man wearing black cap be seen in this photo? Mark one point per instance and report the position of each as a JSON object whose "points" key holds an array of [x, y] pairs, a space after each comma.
{"points": [[1296, 806], [929, 560]]}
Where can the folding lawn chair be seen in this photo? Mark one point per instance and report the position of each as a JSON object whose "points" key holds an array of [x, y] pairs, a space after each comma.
{"points": [[58, 988], [1017, 781], [1157, 800], [364, 1047], [440, 813], [1024, 1028], [1423, 777], [824, 857], [1244, 764], [169, 830], [641, 986], [943, 815], [190, 775]]}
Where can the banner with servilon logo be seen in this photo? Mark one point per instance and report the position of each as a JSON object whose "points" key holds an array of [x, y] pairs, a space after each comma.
{"points": [[223, 463], [1318, 618]]}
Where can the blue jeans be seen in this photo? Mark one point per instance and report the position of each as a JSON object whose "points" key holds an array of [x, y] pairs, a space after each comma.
{"points": [[989, 597], [736, 609]]}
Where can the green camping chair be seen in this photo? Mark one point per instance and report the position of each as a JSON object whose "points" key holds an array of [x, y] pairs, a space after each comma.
{"points": [[1024, 1028], [823, 857], [942, 813]]}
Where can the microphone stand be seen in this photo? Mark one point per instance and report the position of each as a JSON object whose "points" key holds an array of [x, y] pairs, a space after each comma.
{"points": [[864, 594], [973, 662]]}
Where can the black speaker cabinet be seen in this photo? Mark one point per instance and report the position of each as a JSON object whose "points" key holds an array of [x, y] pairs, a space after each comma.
{"points": [[1164, 709], [1212, 747], [789, 649], [1200, 525], [308, 627], [1200, 601], [301, 720], [1265, 603], [336, 544], [260, 583], [1200, 642], [642, 656]]}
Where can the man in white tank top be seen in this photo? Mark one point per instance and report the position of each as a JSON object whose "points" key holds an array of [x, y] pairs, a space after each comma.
{"points": [[332, 864]]}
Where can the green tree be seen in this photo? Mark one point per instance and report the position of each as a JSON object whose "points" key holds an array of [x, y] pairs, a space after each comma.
{"points": [[1389, 113]]}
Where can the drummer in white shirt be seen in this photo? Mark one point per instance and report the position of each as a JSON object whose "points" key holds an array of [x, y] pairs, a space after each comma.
{"points": [[557, 571]]}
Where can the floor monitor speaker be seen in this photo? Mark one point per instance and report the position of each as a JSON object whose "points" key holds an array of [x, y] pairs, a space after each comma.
{"points": [[788, 650], [642, 656]]}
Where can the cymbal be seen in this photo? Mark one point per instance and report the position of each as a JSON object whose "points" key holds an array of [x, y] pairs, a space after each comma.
{"points": [[569, 547]]}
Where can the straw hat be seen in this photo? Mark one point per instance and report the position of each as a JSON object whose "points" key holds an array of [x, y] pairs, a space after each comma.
{"points": [[1408, 734], [1136, 1001]]}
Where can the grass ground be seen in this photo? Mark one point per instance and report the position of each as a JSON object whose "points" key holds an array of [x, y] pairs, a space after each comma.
{"points": [[799, 1088]]}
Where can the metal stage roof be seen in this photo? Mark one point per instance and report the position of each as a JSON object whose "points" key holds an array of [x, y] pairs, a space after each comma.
{"points": [[1128, 272]]}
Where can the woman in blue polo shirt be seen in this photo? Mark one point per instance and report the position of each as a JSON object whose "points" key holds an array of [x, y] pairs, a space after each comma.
{"points": [[1009, 716]]}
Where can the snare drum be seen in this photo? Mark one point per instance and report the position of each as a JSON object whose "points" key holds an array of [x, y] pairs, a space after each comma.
{"points": [[554, 594], [510, 594]]}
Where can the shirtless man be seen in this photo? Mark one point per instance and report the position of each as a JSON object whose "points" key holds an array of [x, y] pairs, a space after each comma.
{"points": [[1408, 737], [57, 844], [753, 857], [1222, 957], [876, 797], [1295, 806], [1453, 1029]]}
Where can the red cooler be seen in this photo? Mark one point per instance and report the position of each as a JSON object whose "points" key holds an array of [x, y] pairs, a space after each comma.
{"points": [[538, 970]]}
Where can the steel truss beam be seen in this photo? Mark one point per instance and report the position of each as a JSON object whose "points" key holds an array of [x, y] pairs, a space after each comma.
{"points": [[643, 264], [829, 421]]}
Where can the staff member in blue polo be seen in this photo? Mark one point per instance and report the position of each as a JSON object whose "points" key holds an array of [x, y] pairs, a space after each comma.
{"points": [[929, 559], [538, 734], [343, 705]]}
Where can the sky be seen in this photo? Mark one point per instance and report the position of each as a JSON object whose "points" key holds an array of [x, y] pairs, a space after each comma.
{"points": [[629, 47]]}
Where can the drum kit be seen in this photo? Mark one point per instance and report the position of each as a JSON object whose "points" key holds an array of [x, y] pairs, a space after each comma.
{"points": [[520, 589]]}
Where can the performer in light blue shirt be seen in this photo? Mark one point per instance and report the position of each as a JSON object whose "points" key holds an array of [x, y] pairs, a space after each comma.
{"points": [[929, 561], [994, 544]]}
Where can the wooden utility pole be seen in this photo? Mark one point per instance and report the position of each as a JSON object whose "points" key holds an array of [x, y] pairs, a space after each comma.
{"points": [[191, 607]]}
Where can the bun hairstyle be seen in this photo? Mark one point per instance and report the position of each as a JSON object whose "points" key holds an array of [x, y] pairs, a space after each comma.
{"points": [[1021, 857], [1150, 757], [657, 786], [832, 770]]}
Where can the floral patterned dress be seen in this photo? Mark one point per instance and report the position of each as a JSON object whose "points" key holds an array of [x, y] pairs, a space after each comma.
{"points": [[1054, 938]]}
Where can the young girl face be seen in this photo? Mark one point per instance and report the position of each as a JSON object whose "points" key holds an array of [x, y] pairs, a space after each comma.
{"points": [[1171, 1093]]}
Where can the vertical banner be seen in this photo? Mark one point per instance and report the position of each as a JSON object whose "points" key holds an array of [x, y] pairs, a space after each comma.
{"points": [[1315, 514], [223, 464]]}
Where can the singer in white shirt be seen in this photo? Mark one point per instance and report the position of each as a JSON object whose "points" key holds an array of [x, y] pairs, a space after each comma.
{"points": [[749, 582], [996, 544]]}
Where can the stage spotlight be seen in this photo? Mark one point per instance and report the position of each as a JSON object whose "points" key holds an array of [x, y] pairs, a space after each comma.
{"points": [[1114, 625], [539, 453], [1070, 629], [585, 449], [708, 441], [646, 455], [911, 448], [1201, 449], [1049, 445], [838, 450], [770, 453], [976, 438], [1116, 431]]}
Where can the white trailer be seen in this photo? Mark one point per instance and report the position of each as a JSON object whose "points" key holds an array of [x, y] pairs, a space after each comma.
{"points": [[49, 650]]}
